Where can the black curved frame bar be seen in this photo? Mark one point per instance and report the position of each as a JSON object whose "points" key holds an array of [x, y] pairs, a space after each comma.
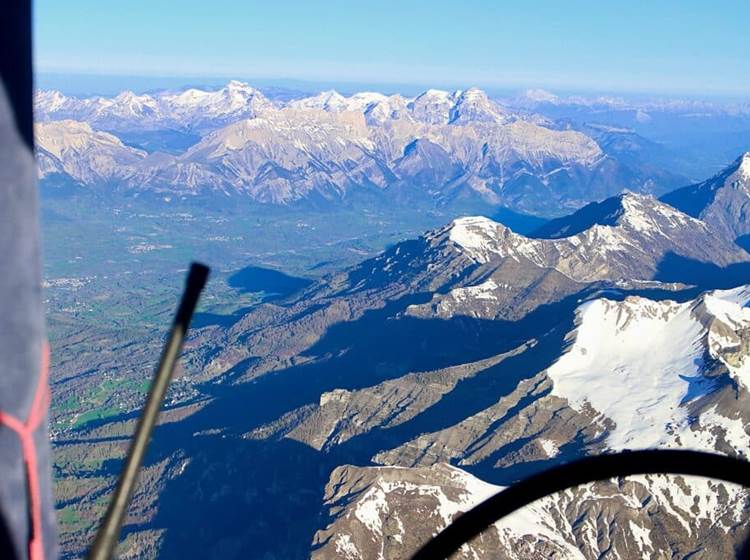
{"points": [[590, 469]]}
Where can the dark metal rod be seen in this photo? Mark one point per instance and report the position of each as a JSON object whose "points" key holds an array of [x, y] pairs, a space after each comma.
{"points": [[109, 532]]}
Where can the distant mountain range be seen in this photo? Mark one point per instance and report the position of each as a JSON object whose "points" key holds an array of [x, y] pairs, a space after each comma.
{"points": [[692, 137], [537, 98], [438, 148]]}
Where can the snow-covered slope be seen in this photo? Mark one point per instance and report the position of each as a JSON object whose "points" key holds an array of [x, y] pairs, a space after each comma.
{"points": [[393, 510], [644, 365]]}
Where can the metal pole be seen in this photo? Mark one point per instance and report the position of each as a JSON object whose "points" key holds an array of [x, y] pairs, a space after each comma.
{"points": [[109, 532]]}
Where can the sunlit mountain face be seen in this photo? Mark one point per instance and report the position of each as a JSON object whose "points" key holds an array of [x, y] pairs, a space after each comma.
{"points": [[438, 148]]}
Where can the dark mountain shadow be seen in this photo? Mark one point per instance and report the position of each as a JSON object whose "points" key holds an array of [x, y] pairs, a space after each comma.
{"points": [[657, 294], [510, 474], [204, 319], [168, 141], [381, 345], [603, 213], [389, 339], [744, 242], [275, 283], [676, 268], [694, 199], [274, 286], [242, 498], [520, 223]]}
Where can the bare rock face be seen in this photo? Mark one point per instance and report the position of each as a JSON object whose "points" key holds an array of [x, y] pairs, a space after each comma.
{"points": [[439, 147], [722, 201], [73, 148]]}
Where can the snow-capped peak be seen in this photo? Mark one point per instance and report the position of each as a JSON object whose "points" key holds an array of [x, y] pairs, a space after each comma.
{"points": [[474, 105], [540, 96], [367, 97], [127, 95], [631, 211], [483, 240], [433, 106], [334, 102], [473, 93], [744, 167], [49, 100], [236, 85], [329, 100], [477, 236], [646, 214], [435, 94], [238, 91]]}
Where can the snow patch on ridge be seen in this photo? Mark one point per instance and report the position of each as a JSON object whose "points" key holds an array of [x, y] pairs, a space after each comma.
{"points": [[744, 169], [476, 234], [637, 216], [534, 520], [346, 548], [637, 363], [630, 241]]}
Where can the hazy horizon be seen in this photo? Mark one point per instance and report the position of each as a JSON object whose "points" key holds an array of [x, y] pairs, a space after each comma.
{"points": [[666, 48], [93, 84]]}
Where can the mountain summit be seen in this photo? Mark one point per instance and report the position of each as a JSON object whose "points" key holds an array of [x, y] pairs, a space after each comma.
{"points": [[622, 237], [723, 201]]}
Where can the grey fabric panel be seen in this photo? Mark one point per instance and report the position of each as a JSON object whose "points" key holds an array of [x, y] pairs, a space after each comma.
{"points": [[21, 319], [21, 331]]}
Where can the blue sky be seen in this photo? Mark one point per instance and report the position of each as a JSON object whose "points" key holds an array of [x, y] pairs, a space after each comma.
{"points": [[692, 47]]}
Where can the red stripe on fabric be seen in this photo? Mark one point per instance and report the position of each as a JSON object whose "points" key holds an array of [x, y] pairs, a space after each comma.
{"points": [[25, 432]]}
